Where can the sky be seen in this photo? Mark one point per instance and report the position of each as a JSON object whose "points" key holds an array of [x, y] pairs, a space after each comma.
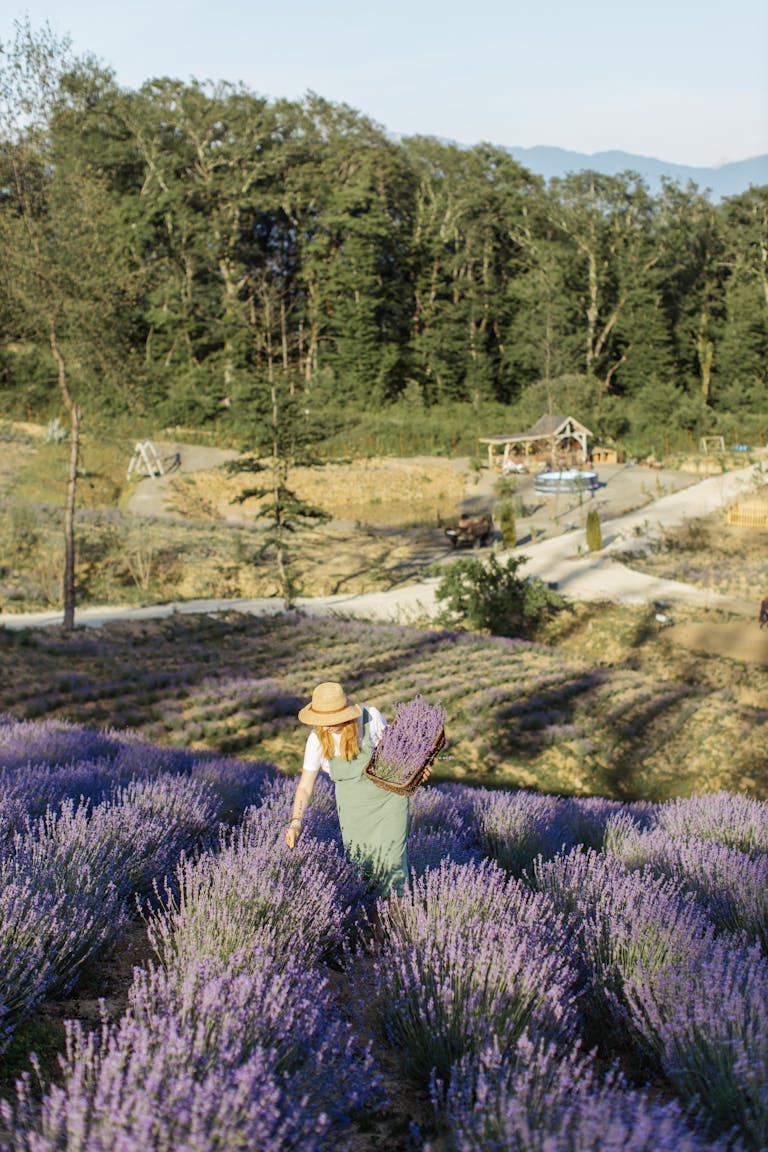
{"points": [[685, 81]]}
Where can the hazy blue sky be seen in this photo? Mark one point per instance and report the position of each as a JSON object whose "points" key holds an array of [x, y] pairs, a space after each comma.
{"points": [[682, 80]]}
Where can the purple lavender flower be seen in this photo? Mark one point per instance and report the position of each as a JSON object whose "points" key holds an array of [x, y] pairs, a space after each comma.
{"points": [[221, 903], [623, 922], [708, 1022], [737, 821], [470, 952], [407, 742], [535, 1098], [208, 1059], [514, 828], [731, 885]]}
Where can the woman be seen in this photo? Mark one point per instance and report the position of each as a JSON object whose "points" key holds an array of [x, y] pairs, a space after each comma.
{"points": [[374, 822]]}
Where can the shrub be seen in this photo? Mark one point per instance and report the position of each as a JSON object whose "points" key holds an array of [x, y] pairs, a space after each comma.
{"points": [[625, 924], [708, 1022], [214, 1057], [534, 1098], [594, 533], [490, 596]]}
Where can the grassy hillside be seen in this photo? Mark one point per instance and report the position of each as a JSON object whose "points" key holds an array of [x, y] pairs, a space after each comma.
{"points": [[607, 707]]}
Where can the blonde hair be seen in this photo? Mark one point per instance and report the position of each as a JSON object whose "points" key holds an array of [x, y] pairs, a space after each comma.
{"points": [[349, 744]]}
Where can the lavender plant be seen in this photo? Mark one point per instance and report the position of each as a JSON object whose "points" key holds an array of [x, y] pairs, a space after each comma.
{"points": [[221, 903], [731, 885], [237, 783], [514, 828], [50, 926], [65, 882], [149, 823], [708, 1022], [535, 1098], [723, 817], [470, 953], [428, 848], [51, 742], [210, 1059], [441, 828], [407, 743], [623, 922]]}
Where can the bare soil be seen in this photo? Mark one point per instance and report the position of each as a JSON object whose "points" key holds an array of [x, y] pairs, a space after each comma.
{"points": [[735, 640]]}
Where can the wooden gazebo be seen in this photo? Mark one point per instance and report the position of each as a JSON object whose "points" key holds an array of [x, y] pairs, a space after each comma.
{"points": [[558, 437]]}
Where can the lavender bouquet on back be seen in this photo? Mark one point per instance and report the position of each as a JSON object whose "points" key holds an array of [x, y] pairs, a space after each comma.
{"points": [[407, 744]]}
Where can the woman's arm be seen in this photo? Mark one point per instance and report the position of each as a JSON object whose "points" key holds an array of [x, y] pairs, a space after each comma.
{"points": [[301, 799]]}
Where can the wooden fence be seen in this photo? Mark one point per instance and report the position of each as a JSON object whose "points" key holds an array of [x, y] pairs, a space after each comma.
{"points": [[749, 514]]}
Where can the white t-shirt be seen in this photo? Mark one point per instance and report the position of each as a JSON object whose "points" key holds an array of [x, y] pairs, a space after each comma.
{"points": [[313, 753]]}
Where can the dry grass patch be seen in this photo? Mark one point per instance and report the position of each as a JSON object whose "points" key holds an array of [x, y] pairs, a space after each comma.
{"points": [[387, 491], [710, 553]]}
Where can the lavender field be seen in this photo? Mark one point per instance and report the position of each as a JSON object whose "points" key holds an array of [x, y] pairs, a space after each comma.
{"points": [[608, 709], [563, 973]]}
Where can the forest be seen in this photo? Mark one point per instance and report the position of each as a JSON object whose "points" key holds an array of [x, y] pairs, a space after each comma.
{"points": [[179, 254]]}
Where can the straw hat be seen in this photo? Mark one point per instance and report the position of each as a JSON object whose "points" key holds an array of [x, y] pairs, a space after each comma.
{"points": [[329, 706]]}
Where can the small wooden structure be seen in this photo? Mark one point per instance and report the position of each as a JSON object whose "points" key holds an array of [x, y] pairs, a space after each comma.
{"points": [[604, 456], [751, 512], [712, 444], [561, 439], [145, 460]]}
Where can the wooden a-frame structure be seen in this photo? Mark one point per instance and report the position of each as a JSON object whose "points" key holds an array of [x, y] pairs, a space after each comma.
{"points": [[551, 435]]}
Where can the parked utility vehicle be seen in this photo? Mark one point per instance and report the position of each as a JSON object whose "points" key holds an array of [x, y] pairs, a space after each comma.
{"points": [[470, 532]]}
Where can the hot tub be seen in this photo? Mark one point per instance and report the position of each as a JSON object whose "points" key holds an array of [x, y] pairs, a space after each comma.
{"points": [[569, 480]]}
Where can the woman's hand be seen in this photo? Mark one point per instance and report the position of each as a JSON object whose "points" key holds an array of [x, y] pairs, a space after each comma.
{"points": [[304, 790]]}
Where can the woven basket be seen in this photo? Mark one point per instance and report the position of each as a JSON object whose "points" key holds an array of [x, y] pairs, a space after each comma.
{"points": [[409, 786]]}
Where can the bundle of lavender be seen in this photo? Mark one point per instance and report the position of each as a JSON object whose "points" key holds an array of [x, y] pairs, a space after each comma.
{"points": [[408, 745]]}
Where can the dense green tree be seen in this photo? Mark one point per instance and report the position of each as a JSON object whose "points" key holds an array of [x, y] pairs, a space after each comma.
{"points": [[606, 223], [742, 359], [691, 278], [246, 238], [466, 251], [353, 236]]}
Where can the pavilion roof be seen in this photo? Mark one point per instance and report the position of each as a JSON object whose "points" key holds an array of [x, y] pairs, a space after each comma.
{"points": [[546, 427]]}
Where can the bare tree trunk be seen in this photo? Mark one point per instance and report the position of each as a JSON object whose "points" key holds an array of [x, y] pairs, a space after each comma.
{"points": [[278, 466], [592, 308], [705, 351], [75, 416], [69, 518]]}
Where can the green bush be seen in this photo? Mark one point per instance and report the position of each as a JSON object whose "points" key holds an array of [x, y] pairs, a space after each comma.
{"points": [[594, 532], [491, 597]]}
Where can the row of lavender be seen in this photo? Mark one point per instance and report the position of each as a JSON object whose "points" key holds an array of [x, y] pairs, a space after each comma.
{"points": [[233, 1039], [635, 929], [519, 710], [89, 822]]}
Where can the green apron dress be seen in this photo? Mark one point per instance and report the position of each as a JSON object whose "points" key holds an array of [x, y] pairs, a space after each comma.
{"points": [[374, 822]]}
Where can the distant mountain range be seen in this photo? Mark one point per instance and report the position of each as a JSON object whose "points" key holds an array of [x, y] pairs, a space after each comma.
{"points": [[725, 180]]}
